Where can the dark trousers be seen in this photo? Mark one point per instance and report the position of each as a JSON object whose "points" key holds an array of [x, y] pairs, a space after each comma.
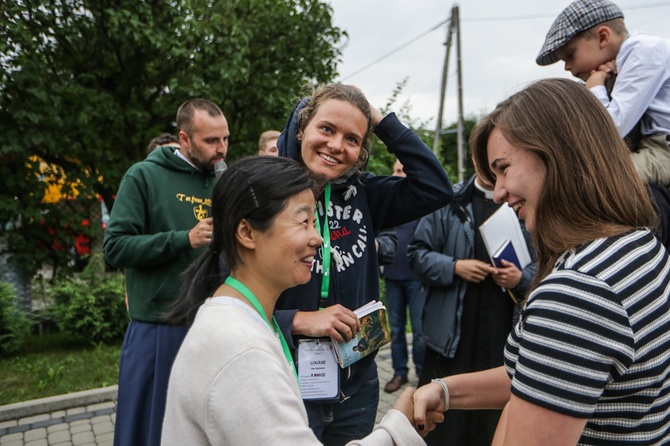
{"points": [[144, 370]]}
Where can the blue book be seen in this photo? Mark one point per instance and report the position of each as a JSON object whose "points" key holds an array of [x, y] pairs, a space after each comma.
{"points": [[506, 252]]}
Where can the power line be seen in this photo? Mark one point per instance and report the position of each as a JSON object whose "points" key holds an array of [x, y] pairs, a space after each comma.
{"points": [[481, 19], [425, 33]]}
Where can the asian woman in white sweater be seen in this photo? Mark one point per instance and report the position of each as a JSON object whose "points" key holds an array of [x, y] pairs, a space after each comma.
{"points": [[233, 381]]}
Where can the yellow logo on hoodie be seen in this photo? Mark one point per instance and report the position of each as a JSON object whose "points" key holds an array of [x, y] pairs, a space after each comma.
{"points": [[200, 212]]}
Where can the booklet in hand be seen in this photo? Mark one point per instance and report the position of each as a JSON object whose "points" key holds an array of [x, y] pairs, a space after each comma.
{"points": [[374, 333], [506, 252], [503, 227]]}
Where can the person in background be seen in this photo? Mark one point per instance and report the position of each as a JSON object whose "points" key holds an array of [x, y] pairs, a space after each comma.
{"points": [[386, 243], [328, 133], [164, 139], [470, 305], [267, 143], [159, 224], [587, 363], [403, 293], [630, 75], [233, 381], [591, 38]]}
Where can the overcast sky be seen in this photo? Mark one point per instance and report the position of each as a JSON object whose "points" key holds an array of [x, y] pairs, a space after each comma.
{"points": [[499, 42]]}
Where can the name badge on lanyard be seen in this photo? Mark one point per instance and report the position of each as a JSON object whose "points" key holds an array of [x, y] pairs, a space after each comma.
{"points": [[318, 371]]}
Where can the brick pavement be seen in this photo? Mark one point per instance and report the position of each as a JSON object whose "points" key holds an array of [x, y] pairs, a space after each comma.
{"points": [[82, 418], [87, 418]]}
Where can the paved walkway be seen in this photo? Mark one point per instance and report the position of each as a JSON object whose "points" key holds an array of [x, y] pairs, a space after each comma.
{"points": [[87, 418]]}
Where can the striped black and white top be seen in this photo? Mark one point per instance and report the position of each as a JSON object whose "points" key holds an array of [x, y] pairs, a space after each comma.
{"points": [[593, 341]]}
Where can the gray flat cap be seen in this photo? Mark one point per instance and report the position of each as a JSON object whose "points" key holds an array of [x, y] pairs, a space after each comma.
{"points": [[579, 16]]}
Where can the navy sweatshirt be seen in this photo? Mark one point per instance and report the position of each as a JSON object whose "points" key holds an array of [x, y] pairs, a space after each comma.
{"points": [[361, 205]]}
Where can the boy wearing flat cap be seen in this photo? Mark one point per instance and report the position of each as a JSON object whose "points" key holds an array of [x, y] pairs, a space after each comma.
{"points": [[590, 37]]}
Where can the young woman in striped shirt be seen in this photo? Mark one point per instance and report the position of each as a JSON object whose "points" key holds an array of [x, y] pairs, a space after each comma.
{"points": [[589, 361]]}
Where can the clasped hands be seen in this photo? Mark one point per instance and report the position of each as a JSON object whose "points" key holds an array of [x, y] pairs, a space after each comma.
{"points": [[424, 408], [600, 75], [475, 271]]}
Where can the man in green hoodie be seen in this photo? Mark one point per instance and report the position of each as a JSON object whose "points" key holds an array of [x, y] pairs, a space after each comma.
{"points": [[159, 225]]}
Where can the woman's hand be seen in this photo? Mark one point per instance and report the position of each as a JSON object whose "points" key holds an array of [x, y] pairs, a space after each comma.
{"points": [[376, 116], [405, 404], [336, 321], [428, 408]]}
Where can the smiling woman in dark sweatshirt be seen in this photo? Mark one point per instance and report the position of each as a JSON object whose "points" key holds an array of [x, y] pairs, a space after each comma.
{"points": [[328, 132]]}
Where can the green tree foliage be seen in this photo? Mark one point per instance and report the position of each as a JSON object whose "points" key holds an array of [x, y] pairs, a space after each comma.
{"points": [[381, 161], [14, 324], [90, 308], [85, 84], [449, 149]]}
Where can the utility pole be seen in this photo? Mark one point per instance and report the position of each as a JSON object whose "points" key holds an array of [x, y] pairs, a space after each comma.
{"points": [[460, 140], [443, 89], [453, 27]]}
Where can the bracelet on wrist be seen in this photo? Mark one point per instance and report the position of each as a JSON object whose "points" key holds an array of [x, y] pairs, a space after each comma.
{"points": [[445, 389]]}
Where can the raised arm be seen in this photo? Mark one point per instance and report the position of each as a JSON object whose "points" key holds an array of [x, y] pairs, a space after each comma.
{"points": [[396, 200]]}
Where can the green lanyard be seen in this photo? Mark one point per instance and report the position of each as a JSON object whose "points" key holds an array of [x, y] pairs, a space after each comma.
{"points": [[324, 232], [246, 292]]}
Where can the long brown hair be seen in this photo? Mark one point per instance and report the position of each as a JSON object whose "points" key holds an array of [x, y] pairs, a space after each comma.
{"points": [[591, 189]]}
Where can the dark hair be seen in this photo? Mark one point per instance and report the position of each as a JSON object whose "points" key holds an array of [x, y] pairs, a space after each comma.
{"points": [[161, 140], [591, 189], [187, 110], [255, 189], [346, 93]]}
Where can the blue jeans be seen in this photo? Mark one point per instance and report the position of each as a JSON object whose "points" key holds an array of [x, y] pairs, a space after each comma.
{"points": [[336, 424], [401, 294]]}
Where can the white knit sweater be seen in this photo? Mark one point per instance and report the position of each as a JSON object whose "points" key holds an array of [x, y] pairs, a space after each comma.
{"points": [[231, 385]]}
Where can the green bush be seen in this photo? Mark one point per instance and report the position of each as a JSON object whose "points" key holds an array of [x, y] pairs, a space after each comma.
{"points": [[14, 323], [91, 307]]}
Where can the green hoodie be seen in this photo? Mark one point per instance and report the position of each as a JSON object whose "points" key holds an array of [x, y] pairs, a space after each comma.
{"points": [[159, 200]]}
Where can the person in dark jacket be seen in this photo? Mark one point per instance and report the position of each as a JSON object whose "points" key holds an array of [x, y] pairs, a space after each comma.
{"points": [[467, 315], [328, 132]]}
